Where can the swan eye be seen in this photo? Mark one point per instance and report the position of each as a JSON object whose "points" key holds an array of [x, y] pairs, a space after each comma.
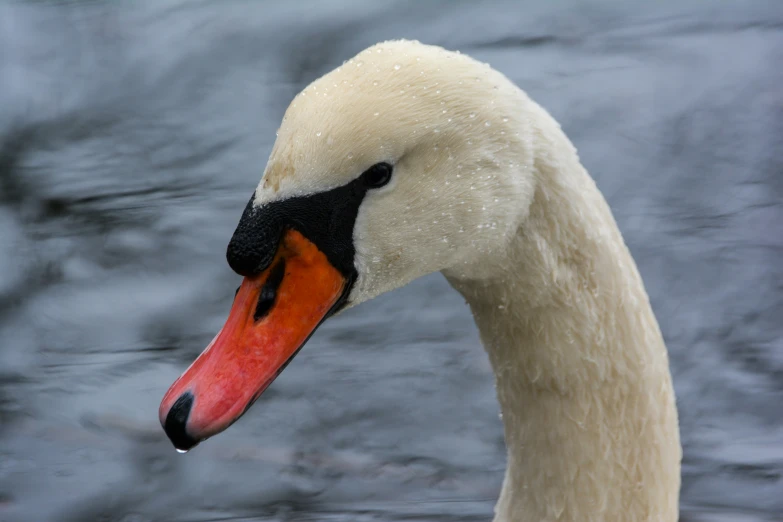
{"points": [[377, 176]]}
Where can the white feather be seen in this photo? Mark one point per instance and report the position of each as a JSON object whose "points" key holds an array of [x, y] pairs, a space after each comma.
{"points": [[489, 190]]}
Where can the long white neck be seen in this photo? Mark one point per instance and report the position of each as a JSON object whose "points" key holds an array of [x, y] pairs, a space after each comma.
{"points": [[581, 368]]}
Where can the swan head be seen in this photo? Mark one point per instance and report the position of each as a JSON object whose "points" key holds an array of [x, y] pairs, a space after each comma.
{"points": [[406, 160]]}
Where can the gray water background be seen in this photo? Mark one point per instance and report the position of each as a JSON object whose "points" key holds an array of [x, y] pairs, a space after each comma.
{"points": [[133, 133]]}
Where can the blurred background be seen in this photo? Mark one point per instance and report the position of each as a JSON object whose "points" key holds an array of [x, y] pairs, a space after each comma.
{"points": [[133, 133]]}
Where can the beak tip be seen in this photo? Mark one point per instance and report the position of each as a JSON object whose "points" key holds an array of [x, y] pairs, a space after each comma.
{"points": [[175, 423]]}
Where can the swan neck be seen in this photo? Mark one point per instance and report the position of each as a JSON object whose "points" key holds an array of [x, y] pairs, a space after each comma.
{"points": [[581, 368]]}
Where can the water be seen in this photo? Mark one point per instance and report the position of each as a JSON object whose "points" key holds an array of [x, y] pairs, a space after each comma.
{"points": [[131, 137]]}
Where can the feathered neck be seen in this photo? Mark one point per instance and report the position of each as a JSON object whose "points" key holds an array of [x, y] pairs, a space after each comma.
{"points": [[581, 367]]}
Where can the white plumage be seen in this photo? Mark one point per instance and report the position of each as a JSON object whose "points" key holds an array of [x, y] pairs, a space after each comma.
{"points": [[488, 189]]}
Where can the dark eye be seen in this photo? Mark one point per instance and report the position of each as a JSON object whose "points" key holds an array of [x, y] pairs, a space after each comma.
{"points": [[377, 176]]}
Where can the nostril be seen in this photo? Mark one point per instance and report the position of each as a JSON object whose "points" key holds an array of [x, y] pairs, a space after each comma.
{"points": [[269, 291], [176, 423]]}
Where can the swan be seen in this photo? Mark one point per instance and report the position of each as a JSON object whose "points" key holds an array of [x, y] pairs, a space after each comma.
{"points": [[410, 159]]}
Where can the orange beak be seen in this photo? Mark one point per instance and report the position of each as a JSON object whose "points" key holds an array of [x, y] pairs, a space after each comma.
{"points": [[273, 315]]}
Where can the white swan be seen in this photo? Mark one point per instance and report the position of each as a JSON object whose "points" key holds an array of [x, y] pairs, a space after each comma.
{"points": [[410, 159]]}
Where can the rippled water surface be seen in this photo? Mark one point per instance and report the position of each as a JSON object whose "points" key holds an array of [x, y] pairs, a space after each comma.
{"points": [[131, 136]]}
